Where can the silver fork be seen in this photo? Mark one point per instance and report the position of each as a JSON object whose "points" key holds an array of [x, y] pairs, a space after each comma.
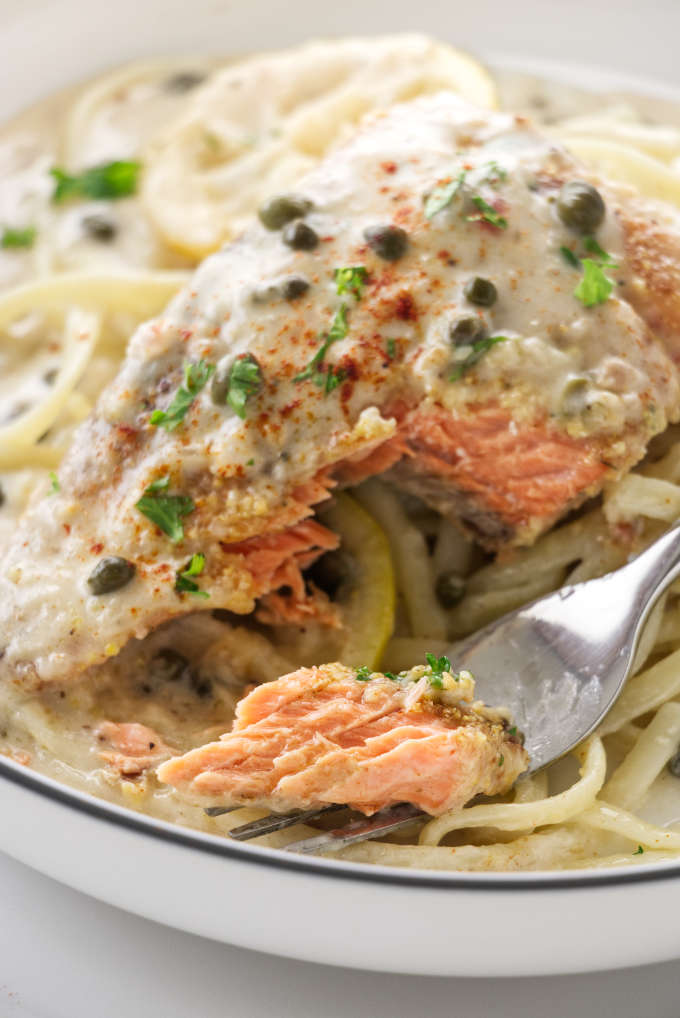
{"points": [[558, 664]]}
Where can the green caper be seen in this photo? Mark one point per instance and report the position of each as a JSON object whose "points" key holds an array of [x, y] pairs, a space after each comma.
{"points": [[110, 574], [389, 242], [580, 206], [169, 665], [279, 211], [294, 287], [466, 330], [674, 765], [574, 398], [450, 588], [300, 236], [481, 291], [184, 81], [99, 227]]}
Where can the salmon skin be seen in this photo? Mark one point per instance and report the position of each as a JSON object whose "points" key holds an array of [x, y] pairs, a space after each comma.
{"points": [[427, 315], [322, 735]]}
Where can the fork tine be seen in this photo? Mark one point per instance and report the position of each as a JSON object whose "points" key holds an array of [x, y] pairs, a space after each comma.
{"points": [[388, 820], [218, 811], [278, 822]]}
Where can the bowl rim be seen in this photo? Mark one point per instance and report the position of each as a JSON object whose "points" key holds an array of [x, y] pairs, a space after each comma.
{"points": [[325, 866]]}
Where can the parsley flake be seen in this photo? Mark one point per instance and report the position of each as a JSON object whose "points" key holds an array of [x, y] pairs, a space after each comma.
{"points": [[501, 760], [487, 213], [196, 377], [477, 351], [391, 348], [107, 180], [184, 584], [639, 850], [245, 380], [570, 258], [166, 511], [18, 237], [329, 379], [606, 260], [391, 676], [351, 279], [595, 287], [438, 665], [443, 195], [363, 674], [54, 483]]}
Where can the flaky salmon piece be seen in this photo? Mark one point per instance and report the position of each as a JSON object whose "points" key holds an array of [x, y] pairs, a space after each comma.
{"points": [[419, 308], [334, 735], [132, 748]]}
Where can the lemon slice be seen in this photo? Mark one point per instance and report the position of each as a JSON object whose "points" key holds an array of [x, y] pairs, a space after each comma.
{"points": [[368, 599], [620, 162], [262, 122]]}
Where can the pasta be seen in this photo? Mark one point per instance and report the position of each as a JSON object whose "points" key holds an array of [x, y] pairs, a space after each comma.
{"points": [[204, 170]]}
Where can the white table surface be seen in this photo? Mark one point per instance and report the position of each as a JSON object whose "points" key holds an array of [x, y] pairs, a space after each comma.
{"points": [[63, 955]]}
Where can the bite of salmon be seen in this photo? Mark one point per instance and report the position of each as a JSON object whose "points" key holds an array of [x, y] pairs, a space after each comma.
{"points": [[418, 308], [334, 735]]}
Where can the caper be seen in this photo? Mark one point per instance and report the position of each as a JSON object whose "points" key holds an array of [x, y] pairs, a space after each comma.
{"points": [[300, 236], [580, 206], [575, 395], [466, 330], [481, 291], [389, 242], [99, 227], [169, 665], [110, 574], [184, 81], [674, 765], [450, 588], [294, 287], [221, 380], [279, 211]]}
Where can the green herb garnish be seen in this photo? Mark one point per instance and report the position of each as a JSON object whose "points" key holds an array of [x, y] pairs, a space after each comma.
{"points": [[184, 583], [595, 287], [570, 258], [363, 674], [196, 377], [54, 483], [438, 665], [327, 380], [245, 380], [513, 730], [351, 279], [391, 348], [639, 850], [251, 462], [166, 511], [391, 676], [477, 351], [493, 173], [487, 213], [443, 195], [108, 180], [606, 261], [501, 760], [18, 238]]}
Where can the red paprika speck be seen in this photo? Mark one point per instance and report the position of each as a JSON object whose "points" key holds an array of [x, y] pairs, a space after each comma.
{"points": [[389, 167], [97, 548], [405, 309]]}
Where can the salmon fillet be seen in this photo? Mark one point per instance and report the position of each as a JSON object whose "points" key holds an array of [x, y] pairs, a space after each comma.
{"points": [[320, 352], [322, 735]]}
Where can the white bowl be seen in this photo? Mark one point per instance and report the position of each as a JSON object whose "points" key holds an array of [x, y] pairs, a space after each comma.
{"points": [[322, 909]]}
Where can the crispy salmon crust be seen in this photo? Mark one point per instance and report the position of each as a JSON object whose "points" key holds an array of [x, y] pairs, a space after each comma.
{"points": [[319, 735]]}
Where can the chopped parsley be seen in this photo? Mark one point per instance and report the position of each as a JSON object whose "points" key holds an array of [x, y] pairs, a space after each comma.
{"points": [[438, 665], [54, 483], [196, 377], [166, 511], [329, 379], [363, 674], [477, 351], [513, 730], [493, 173], [639, 850], [245, 380], [595, 287], [184, 582], [391, 676], [251, 462], [570, 258], [443, 195], [592, 246], [501, 760], [12, 237], [487, 213], [351, 279], [391, 348], [113, 180]]}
